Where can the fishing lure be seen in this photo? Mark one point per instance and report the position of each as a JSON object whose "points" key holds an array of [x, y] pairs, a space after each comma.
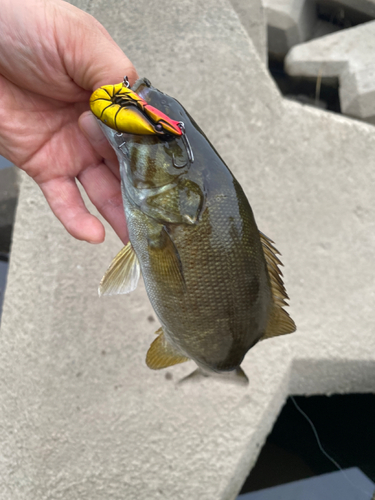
{"points": [[125, 111]]}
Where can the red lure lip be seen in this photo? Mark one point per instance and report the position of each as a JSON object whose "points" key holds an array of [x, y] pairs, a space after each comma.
{"points": [[172, 123]]}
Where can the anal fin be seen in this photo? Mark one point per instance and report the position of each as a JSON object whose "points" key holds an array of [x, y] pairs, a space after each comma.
{"points": [[161, 354]]}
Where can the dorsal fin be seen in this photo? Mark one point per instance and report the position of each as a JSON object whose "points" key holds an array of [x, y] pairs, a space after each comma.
{"points": [[280, 322]]}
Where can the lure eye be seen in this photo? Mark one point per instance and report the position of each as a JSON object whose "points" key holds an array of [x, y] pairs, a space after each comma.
{"points": [[159, 127]]}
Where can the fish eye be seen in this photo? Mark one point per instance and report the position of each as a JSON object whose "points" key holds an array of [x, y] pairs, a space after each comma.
{"points": [[159, 127]]}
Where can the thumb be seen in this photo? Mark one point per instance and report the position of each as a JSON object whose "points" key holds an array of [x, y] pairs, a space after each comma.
{"points": [[91, 57]]}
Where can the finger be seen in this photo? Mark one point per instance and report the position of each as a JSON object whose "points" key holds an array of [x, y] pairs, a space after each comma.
{"points": [[90, 68], [110, 65], [104, 190], [114, 168], [66, 202], [91, 129]]}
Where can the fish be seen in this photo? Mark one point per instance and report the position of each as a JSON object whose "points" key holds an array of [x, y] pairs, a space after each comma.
{"points": [[213, 279]]}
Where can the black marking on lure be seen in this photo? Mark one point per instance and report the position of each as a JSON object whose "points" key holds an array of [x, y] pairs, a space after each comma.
{"points": [[117, 112], [104, 110]]}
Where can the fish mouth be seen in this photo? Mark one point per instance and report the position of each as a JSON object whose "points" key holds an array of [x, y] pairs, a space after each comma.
{"points": [[127, 111]]}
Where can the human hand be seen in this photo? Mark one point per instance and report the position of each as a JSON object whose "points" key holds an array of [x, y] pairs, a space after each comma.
{"points": [[52, 56]]}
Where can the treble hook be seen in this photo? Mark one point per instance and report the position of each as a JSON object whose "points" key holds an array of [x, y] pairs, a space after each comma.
{"points": [[118, 138], [186, 142], [126, 82]]}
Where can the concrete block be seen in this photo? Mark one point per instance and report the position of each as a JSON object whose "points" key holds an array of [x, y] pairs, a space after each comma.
{"points": [[81, 416], [252, 17], [289, 22], [347, 55]]}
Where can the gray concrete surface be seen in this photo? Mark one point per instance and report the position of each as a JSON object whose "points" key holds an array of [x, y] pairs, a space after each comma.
{"points": [[348, 55], [252, 17], [289, 22], [81, 416]]}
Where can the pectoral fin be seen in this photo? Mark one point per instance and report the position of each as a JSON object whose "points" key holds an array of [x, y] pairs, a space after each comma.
{"points": [[161, 354], [122, 275], [166, 261]]}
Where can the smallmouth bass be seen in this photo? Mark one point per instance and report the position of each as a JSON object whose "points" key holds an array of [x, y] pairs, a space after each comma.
{"points": [[211, 276]]}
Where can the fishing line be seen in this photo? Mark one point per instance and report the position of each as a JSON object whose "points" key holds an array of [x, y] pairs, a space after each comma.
{"points": [[331, 459]]}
